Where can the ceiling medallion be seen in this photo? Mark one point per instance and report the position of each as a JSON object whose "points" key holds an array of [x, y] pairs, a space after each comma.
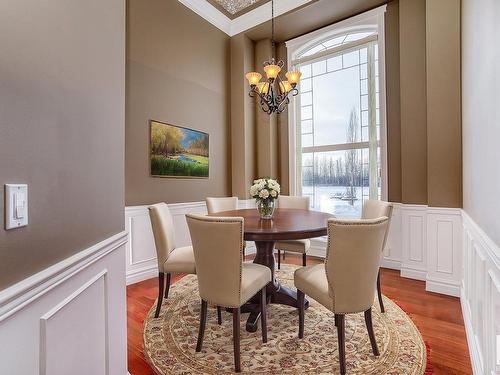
{"points": [[274, 93]]}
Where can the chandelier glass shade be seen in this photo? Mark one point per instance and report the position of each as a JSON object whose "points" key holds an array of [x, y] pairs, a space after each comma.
{"points": [[274, 92]]}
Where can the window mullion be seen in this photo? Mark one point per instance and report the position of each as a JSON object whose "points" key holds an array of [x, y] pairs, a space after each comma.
{"points": [[372, 125]]}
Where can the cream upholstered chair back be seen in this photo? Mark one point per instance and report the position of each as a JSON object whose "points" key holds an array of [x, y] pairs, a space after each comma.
{"points": [[221, 204], [286, 201], [373, 208], [163, 231], [218, 245], [352, 262]]}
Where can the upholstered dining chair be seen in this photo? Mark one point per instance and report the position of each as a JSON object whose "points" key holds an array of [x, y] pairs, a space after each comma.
{"points": [[344, 284], [223, 204], [372, 209], [294, 246], [171, 259], [223, 278]]}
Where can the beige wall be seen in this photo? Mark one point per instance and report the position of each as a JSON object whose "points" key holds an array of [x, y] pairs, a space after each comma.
{"points": [[178, 71], [423, 107], [62, 101], [413, 101], [444, 131], [481, 113], [243, 132]]}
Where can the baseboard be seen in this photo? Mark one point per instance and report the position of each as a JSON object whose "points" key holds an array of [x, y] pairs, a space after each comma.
{"points": [[411, 273], [142, 274], [442, 287], [391, 264]]}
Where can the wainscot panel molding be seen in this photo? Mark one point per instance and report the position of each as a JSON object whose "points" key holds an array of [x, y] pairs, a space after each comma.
{"points": [[480, 297], [141, 252], [424, 243], [69, 318]]}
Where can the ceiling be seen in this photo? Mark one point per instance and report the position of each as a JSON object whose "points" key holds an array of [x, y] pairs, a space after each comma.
{"points": [[315, 15], [235, 8], [293, 17]]}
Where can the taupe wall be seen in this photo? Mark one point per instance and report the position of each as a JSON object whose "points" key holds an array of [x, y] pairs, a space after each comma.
{"points": [[243, 133], [413, 101], [423, 98], [444, 130], [481, 113], [62, 74], [178, 72]]}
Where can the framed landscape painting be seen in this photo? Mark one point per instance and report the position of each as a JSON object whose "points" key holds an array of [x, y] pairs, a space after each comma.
{"points": [[177, 152]]}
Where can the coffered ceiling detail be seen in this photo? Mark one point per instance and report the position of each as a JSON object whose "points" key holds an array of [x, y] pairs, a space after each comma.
{"points": [[235, 16], [235, 8]]}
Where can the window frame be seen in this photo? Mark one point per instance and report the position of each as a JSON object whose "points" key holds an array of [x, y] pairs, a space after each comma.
{"points": [[372, 21]]}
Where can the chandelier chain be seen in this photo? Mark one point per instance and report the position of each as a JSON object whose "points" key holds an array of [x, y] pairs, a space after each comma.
{"points": [[274, 93], [272, 23]]}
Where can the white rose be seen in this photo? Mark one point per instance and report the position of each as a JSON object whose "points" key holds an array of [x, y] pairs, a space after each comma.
{"points": [[273, 193], [273, 184], [254, 190], [264, 193]]}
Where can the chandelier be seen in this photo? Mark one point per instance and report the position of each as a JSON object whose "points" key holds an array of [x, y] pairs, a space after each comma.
{"points": [[274, 92]]}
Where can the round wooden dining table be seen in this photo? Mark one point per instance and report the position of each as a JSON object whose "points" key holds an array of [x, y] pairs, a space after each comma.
{"points": [[286, 224]]}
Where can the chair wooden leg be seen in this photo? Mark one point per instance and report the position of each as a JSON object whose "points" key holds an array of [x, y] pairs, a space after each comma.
{"points": [[236, 339], [219, 315], [167, 287], [279, 258], [371, 334], [203, 322], [336, 320], [161, 282], [263, 314], [284, 252], [341, 336], [300, 302], [379, 292], [304, 260]]}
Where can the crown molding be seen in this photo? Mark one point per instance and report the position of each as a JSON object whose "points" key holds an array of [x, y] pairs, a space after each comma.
{"points": [[210, 13], [244, 22]]}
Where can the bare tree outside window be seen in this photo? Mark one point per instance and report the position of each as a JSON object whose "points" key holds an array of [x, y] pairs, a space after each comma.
{"points": [[352, 160]]}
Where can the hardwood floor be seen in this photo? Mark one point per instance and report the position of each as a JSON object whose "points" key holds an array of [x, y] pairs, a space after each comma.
{"points": [[438, 317]]}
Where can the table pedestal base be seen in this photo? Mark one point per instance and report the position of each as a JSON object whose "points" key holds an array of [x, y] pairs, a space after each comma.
{"points": [[276, 293]]}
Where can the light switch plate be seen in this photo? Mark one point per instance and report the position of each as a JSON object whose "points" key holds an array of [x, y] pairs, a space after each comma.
{"points": [[16, 205]]}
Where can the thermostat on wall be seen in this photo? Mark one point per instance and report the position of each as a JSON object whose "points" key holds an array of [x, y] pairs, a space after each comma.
{"points": [[16, 205]]}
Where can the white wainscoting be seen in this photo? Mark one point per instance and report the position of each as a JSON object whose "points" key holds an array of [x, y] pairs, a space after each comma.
{"points": [[69, 318], [424, 243], [141, 253], [480, 297]]}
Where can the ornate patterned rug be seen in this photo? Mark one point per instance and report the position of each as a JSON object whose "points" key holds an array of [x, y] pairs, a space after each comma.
{"points": [[170, 340]]}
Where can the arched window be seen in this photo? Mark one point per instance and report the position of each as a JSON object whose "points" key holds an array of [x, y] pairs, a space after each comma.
{"points": [[337, 124], [335, 41]]}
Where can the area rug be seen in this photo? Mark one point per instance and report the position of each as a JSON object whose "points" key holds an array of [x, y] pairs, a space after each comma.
{"points": [[170, 340]]}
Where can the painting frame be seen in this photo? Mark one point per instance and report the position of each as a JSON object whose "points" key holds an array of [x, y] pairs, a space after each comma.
{"points": [[151, 123]]}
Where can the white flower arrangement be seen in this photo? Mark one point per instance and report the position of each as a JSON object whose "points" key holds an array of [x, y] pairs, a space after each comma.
{"points": [[265, 189]]}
